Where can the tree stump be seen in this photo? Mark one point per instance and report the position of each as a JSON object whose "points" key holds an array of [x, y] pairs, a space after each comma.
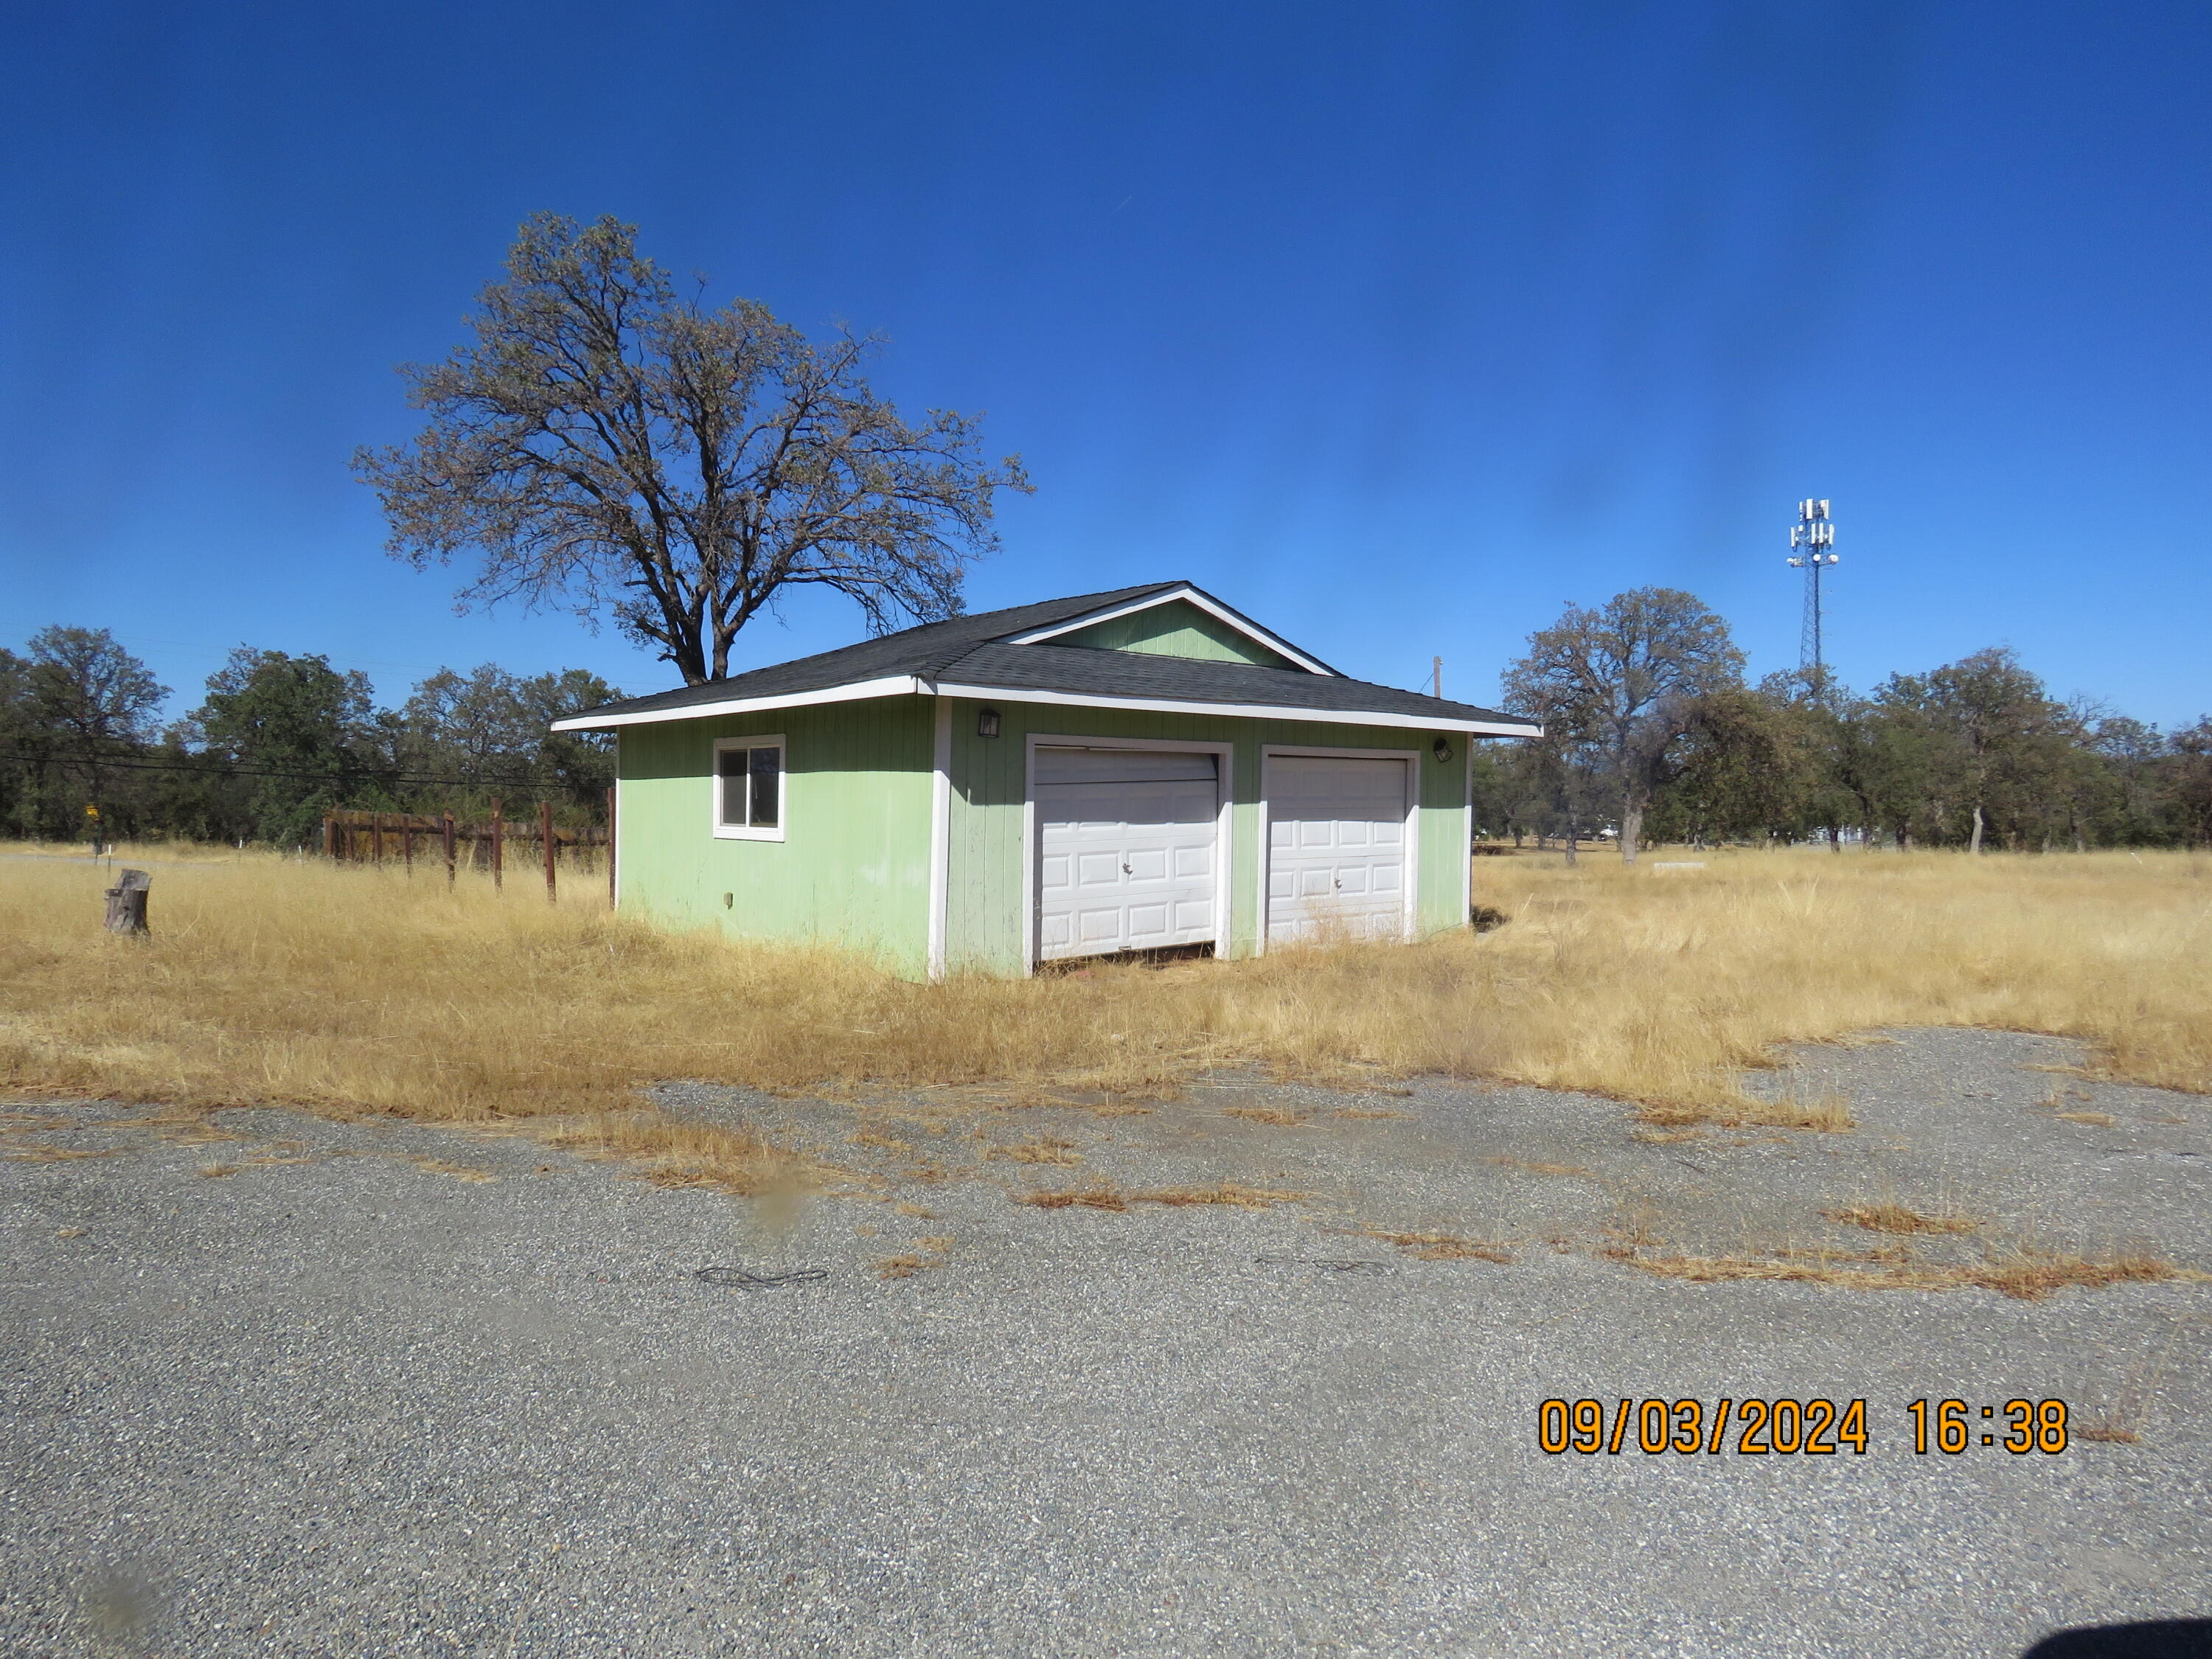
{"points": [[126, 902]]}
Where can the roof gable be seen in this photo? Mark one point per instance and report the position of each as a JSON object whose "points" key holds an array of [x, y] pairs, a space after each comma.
{"points": [[1174, 620], [1177, 628]]}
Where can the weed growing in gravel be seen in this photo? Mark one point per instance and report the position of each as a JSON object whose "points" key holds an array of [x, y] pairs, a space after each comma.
{"points": [[1113, 1198], [1543, 1169], [2107, 1430], [2026, 1276], [1891, 1217], [927, 1253], [1830, 1114], [1440, 1247]]}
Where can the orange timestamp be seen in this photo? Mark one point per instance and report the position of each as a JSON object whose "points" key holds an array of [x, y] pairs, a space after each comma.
{"points": [[1787, 1427], [1809, 1428]]}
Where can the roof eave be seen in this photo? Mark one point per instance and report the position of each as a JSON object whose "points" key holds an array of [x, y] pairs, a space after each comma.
{"points": [[1416, 720], [911, 685]]}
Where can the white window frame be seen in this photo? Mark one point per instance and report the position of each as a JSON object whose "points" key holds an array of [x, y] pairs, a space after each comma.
{"points": [[1412, 757], [745, 831], [1224, 775]]}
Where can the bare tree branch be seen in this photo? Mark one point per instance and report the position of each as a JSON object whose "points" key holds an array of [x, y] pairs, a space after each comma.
{"points": [[608, 448]]}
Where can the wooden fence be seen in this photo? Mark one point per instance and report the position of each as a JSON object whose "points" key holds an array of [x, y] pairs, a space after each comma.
{"points": [[403, 837]]}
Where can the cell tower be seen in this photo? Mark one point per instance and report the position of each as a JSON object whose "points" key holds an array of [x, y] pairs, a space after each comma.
{"points": [[1812, 542]]}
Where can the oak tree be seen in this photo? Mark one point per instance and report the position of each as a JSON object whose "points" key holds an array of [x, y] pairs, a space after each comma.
{"points": [[1621, 682], [606, 443]]}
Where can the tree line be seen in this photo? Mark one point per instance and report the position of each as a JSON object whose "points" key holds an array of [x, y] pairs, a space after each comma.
{"points": [[276, 741], [1653, 733]]}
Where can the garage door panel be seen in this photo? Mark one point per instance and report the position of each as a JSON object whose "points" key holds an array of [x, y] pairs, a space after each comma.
{"points": [[1336, 846], [1125, 849], [1098, 869]]}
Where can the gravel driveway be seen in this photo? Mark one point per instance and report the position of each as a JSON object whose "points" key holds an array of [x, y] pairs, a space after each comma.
{"points": [[356, 1398]]}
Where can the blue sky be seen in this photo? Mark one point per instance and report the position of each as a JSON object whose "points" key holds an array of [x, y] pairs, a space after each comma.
{"points": [[1397, 326]]}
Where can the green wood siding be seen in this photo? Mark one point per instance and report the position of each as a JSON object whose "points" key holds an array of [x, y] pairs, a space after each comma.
{"points": [[1178, 629], [986, 905], [853, 867]]}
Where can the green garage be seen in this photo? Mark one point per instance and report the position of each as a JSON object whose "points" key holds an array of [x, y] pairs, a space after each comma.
{"points": [[1140, 770]]}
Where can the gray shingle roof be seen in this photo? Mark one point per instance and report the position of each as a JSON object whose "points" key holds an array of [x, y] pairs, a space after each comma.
{"points": [[970, 651], [1075, 670]]}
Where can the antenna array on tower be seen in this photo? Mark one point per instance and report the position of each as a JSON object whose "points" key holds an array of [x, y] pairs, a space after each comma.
{"points": [[1812, 542]]}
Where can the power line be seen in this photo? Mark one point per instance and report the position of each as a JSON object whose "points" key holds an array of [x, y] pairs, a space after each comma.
{"points": [[366, 774]]}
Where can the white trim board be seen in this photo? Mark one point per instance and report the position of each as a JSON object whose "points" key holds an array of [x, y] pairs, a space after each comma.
{"points": [[1246, 711], [895, 685], [908, 685], [1224, 825], [1189, 595], [940, 837]]}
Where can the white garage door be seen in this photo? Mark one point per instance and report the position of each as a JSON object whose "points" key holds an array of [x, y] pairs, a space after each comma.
{"points": [[1126, 853], [1336, 847]]}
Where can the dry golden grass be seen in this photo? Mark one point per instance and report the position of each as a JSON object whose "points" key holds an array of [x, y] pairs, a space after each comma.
{"points": [[2026, 1275], [1830, 1114], [1076, 1198], [1538, 1168], [349, 989], [1043, 1149], [927, 1253], [40, 1152], [2107, 1433], [1440, 1247], [1104, 1197], [440, 1166], [1265, 1115], [1891, 1217]]}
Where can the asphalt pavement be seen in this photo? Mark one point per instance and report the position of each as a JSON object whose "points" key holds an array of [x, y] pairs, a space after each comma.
{"points": [[390, 1390]]}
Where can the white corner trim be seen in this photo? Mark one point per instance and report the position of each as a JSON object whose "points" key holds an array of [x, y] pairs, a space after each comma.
{"points": [[893, 686], [1188, 595], [1244, 711], [1467, 836], [940, 837]]}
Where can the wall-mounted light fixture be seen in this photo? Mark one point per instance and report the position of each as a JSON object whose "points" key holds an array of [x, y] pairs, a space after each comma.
{"points": [[986, 722], [1441, 748], [729, 900]]}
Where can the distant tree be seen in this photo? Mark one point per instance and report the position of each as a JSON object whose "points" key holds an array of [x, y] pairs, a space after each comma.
{"points": [[72, 709], [490, 729], [1750, 764], [1990, 731], [94, 701], [1621, 682], [2189, 780], [303, 732], [472, 726], [579, 763], [608, 443], [2136, 812], [19, 747]]}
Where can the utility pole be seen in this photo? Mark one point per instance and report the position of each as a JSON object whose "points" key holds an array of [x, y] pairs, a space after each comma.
{"points": [[1437, 677], [1812, 540]]}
